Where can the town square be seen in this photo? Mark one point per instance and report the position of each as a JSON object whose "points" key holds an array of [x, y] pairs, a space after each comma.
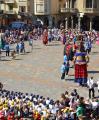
{"points": [[49, 60]]}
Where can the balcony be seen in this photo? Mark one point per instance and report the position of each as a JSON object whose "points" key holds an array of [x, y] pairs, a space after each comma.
{"points": [[68, 10], [9, 1], [91, 10], [10, 12]]}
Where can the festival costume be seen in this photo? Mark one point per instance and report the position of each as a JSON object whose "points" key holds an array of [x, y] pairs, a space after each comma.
{"points": [[45, 37], [68, 50], [81, 60]]}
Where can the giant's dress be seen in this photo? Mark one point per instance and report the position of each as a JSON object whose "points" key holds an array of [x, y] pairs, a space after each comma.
{"points": [[80, 60], [45, 37]]}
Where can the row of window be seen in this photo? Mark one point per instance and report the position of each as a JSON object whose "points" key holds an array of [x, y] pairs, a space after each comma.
{"points": [[21, 8], [41, 7], [88, 4], [91, 3]]}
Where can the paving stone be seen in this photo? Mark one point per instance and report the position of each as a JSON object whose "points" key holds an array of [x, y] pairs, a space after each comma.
{"points": [[39, 72]]}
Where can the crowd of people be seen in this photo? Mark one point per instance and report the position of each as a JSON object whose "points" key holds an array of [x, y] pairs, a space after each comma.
{"points": [[18, 37], [77, 49], [70, 106]]}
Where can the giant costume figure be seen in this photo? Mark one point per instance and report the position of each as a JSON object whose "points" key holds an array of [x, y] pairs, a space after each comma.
{"points": [[80, 62], [45, 37]]}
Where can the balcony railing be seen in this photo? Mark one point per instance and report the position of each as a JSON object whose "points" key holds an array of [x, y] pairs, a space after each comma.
{"points": [[68, 10], [91, 10], [65, 10], [9, 1], [10, 12]]}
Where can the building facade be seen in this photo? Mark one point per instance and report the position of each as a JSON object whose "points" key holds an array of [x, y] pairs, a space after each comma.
{"points": [[81, 14], [13, 10], [46, 10]]}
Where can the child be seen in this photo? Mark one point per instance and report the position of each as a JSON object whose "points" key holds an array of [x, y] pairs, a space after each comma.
{"points": [[63, 71], [13, 54], [67, 67]]}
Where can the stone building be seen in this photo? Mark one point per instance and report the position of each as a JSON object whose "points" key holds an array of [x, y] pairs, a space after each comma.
{"points": [[81, 14]]}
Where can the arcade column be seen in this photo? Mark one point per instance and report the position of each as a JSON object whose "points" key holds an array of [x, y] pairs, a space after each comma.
{"points": [[72, 22], [50, 20], [91, 22], [80, 16], [66, 23], [79, 23]]}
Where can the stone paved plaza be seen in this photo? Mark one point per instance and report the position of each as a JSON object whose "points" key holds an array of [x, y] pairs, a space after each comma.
{"points": [[39, 72]]}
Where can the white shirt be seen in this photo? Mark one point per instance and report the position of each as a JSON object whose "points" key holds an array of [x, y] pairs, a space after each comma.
{"points": [[98, 84], [94, 105], [47, 102], [90, 83]]}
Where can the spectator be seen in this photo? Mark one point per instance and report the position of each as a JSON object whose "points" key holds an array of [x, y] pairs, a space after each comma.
{"points": [[7, 48], [90, 84], [63, 70], [67, 68], [98, 85]]}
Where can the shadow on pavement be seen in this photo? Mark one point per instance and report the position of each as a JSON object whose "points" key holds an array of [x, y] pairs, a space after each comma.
{"points": [[69, 79], [93, 72], [5, 60], [96, 97], [36, 48], [28, 52], [17, 59], [94, 53], [71, 75], [53, 45]]}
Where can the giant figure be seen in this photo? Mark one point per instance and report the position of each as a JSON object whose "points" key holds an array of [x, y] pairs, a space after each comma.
{"points": [[80, 65]]}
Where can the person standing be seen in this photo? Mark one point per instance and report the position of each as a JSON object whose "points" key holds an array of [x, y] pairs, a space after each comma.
{"points": [[45, 37], [80, 65], [7, 48], [89, 45], [22, 46], [67, 68], [30, 37], [13, 54], [90, 84], [63, 70], [98, 85], [65, 58], [17, 48]]}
